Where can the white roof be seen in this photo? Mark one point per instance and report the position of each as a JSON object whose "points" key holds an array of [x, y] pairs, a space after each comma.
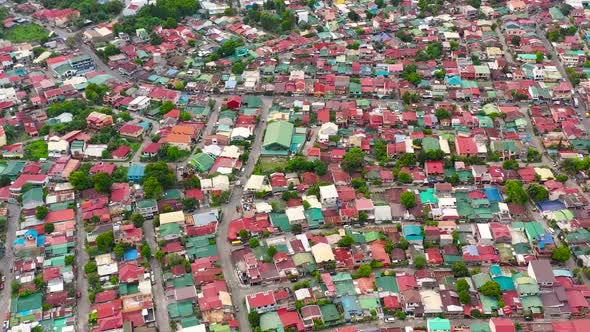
{"points": [[95, 150], [431, 300], [108, 269], [328, 191], [313, 201], [220, 182], [240, 132], [382, 212], [329, 128], [295, 213], [322, 252], [172, 217], [444, 145], [231, 151], [254, 183], [103, 259], [196, 328], [302, 294], [484, 231], [139, 100], [212, 149], [263, 207]]}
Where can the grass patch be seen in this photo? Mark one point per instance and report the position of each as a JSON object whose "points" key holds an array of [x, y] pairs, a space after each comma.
{"points": [[36, 150], [26, 33], [271, 163]]}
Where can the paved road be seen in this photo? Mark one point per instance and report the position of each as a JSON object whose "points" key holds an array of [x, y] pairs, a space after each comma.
{"points": [[7, 261], [580, 110], [237, 291], [83, 307], [160, 301], [85, 49]]}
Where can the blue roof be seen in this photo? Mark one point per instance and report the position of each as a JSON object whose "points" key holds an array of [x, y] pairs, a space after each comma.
{"points": [[130, 255], [551, 206], [412, 230], [41, 241], [454, 80], [562, 273], [495, 270], [492, 194], [136, 170], [472, 250]]}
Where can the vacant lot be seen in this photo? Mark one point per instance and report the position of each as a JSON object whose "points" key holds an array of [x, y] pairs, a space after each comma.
{"points": [[26, 33]]}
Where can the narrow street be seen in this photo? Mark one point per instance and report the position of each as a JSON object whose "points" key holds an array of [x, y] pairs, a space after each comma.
{"points": [[160, 302], [237, 290], [83, 307], [7, 260]]}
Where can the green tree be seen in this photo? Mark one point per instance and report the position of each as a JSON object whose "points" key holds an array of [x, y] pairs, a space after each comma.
{"points": [[511, 165], [464, 297], [119, 251], [346, 241], [238, 67], [152, 188], [137, 219], [515, 192], [81, 180], [105, 241], [561, 254], [166, 107], [400, 315], [363, 271], [404, 177], [254, 319], [271, 251], [49, 228], [103, 182], [561, 178], [537, 193], [408, 199], [159, 255], [462, 285], [162, 172], [539, 56], [90, 267], [490, 288], [253, 243], [353, 160], [420, 262], [243, 234], [515, 41], [69, 260], [146, 251], [41, 212], [406, 160], [460, 270]]}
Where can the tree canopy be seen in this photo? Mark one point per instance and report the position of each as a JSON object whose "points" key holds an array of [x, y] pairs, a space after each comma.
{"points": [[561, 254], [408, 199], [353, 160], [515, 193], [537, 193], [490, 288]]}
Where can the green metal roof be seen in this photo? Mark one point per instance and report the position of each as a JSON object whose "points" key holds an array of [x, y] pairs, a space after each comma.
{"points": [[278, 135]]}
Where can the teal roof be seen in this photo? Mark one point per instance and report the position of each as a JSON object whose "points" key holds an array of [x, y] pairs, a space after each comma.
{"points": [[438, 324], [278, 135]]}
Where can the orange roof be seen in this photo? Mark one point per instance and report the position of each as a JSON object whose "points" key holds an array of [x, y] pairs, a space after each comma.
{"points": [[178, 138]]}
